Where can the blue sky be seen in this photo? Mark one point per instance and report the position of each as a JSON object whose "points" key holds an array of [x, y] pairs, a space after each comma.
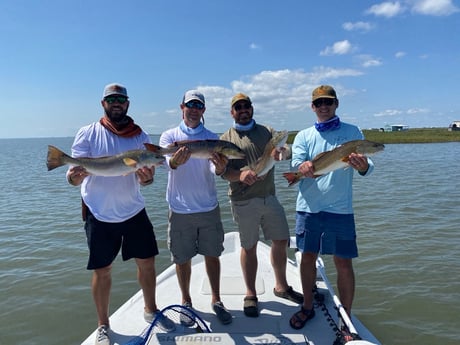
{"points": [[395, 62]]}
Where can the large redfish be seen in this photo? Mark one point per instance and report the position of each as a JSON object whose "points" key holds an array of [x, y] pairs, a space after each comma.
{"points": [[201, 148], [337, 158], [117, 165], [264, 163]]}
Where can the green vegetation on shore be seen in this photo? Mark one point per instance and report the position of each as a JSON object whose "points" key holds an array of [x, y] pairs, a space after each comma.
{"points": [[411, 136]]}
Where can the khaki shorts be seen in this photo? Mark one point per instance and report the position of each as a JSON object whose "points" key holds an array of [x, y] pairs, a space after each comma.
{"points": [[266, 213], [195, 233]]}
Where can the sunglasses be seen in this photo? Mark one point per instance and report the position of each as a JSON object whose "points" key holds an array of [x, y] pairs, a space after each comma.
{"points": [[194, 104], [241, 106], [113, 99], [326, 101]]}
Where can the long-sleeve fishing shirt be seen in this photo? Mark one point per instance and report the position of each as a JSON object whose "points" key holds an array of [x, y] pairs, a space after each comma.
{"points": [[191, 186], [332, 192]]}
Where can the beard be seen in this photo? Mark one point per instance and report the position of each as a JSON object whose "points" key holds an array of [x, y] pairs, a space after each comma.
{"points": [[117, 114]]}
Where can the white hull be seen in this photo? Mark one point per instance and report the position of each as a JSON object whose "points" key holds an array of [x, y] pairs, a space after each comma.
{"points": [[271, 327]]}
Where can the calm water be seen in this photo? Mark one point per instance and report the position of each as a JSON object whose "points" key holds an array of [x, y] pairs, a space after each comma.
{"points": [[408, 220]]}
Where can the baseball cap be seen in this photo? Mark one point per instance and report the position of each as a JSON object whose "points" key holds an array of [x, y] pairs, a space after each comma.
{"points": [[323, 91], [192, 95], [114, 89], [240, 97]]}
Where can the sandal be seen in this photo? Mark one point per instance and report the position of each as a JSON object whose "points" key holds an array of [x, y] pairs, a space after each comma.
{"points": [[250, 307], [290, 294], [300, 318], [345, 336]]}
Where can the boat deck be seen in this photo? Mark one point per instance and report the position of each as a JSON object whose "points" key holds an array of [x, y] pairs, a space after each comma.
{"points": [[271, 327]]}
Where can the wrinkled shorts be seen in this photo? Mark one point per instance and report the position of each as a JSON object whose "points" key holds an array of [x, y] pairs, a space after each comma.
{"points": [[266, 213], [134, 236], [326, 233], [195, 233]]}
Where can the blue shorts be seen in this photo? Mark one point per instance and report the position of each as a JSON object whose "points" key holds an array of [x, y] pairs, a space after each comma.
{"points": [[134, 236], [326, 233]]}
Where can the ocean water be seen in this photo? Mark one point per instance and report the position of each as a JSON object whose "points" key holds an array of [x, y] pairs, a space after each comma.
{"points": [[408, 223]]}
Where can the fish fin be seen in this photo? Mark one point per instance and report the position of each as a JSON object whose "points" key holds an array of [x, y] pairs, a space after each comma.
{"points": [[130, 162], [153, 147], [345, 159], [291, 177], [183, 142], [54, 158], [319, 155]]}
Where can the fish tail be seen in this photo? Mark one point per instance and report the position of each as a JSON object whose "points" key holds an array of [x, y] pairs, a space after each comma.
{"points": [[55, 158], [159, 150], [291, 177]]}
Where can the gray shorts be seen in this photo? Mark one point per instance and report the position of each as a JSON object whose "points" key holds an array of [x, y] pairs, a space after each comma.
{"points": [[195, 233], [266, 213]]}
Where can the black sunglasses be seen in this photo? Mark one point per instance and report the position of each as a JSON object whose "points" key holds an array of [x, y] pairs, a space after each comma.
{"points": [[326, 101], [194, 104], [113, 99], [241, 106]]}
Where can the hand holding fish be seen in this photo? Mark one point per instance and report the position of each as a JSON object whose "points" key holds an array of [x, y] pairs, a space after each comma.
{"points": [[248, 177], [220, 162], [281, 153], [145, 175], [307, 169], [358, 162], [76, 175], [181, 156]]}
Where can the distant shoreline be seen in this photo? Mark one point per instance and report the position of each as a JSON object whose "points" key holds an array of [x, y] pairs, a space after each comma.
{"points": [[410, 136]]}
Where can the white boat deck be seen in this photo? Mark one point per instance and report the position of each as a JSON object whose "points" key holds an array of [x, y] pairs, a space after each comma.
{"points": [[271, 327]]}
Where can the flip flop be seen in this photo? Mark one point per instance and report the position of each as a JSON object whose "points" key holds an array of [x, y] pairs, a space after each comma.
{"points": [[222, 313], [299, 322], [290, 294], [250, 307]]}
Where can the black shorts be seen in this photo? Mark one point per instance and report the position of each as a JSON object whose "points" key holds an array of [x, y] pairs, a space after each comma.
{"points": [[134, 236]]}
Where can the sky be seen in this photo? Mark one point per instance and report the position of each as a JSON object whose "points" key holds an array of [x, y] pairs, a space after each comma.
{"points": [[391, 62]]}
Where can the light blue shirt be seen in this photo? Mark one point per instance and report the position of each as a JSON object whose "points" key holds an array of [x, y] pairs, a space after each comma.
{"points": [[332, 192], [191, 187]]}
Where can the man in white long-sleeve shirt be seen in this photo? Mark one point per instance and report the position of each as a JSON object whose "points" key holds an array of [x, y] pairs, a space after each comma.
{"points": [[195, 225]]}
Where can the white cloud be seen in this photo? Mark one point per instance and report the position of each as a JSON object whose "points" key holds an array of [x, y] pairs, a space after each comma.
{"points": [[397, 112], [338, 48], [386, 9], [278, 95], [254, 46], [389, 112], [358, 26], [417, 111], [368, 60], [399, 55], [434, 7], [424, 7]]}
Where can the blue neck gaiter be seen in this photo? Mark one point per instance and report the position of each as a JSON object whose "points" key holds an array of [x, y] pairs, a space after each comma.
{"points": [[330, 125]]}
